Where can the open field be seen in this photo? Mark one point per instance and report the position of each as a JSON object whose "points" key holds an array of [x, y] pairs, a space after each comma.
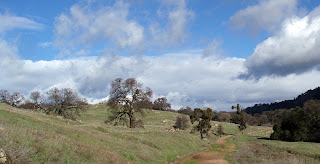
{"points": [[31, 137]]}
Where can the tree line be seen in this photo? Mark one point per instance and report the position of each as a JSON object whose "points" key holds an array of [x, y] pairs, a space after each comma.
{"points": [[63, 102], [286, 104], [299, 124], [129, 98]]}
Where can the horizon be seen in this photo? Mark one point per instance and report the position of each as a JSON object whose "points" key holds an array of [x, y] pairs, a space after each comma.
{"points": [[199, 54]]}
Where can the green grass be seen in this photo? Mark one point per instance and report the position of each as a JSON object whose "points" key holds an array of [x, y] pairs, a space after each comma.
{"points": [[253, 149], [37, 138], [30, 137]]}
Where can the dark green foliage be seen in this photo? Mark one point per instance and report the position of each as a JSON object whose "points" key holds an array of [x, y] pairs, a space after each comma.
{"points": [[287, 104], [203, 117], [181, 123], [242, 117], [126, 99], [243, 122], [301, 124]]}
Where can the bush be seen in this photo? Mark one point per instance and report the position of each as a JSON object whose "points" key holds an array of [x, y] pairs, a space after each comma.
{"points": [[181, 123]]}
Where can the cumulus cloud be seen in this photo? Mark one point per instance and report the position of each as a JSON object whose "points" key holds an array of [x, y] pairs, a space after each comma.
{"points": [[186, 79], [85, 25], [11, 22], [175, 30], [295, 49], [266, 15]]}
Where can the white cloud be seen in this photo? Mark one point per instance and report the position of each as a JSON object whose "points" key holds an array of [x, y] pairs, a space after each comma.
{"points": [[175, 30], [293, 50], [84, 25], [11, 22], [184, 78], [45, 44], [266, 15], [213, 49]]}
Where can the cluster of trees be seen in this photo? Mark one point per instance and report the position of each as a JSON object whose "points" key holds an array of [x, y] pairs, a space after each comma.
{"points": [[129, 98], [287, 104], [64, 102], [267, 118], [13, 99], [299, 124]]}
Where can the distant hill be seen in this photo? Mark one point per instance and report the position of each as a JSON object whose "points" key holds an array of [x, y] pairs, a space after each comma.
{"points": [[287, 104]]}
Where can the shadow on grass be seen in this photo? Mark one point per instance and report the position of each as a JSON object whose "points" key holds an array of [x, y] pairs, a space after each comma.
{"points": [[265, 138]]}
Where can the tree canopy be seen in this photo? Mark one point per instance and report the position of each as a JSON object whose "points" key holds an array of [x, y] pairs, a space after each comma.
{"points": [[241, 112], [161, 104], [127, 97], [300, 124], [203, 117], [65, 102]]}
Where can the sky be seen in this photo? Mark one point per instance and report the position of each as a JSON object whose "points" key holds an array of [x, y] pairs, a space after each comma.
{"points": [[208, 53]]}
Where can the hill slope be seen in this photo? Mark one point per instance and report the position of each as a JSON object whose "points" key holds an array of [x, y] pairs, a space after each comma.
{"points": [[287, 104], [30, 137]]}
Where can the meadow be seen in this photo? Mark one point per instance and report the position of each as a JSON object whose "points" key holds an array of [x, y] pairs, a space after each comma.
{"points": [[33, 137]]}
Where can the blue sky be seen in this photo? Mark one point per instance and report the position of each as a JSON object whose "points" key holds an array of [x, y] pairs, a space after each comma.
{"points": [[209, 22], [196, 53]]}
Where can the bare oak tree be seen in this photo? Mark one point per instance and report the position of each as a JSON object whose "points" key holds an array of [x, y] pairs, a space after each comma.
{"points": [[126, 99], [36, 99], [15, 99], [65, 102]]}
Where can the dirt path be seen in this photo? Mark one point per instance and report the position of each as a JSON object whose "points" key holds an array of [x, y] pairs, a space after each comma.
{"points": [[212, 156]]}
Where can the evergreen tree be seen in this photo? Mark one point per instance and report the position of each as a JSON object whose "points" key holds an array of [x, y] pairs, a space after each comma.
{"points": [[203, 117], [241, 112]]}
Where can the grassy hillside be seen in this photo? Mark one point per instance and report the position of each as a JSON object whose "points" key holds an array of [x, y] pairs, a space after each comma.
{"points": [[30, 137], [255, 147]]}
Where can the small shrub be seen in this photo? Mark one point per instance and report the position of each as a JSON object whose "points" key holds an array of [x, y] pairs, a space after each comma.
{"points": [[220, 130], [181, 123]]}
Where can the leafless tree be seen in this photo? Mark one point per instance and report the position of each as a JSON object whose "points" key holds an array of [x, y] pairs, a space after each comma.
{"points": [[36, 98], [15, 99], [5, 96], [126, 97], [65, 102]]}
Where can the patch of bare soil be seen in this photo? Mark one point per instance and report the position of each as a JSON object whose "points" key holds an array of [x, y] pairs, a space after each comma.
{"points": [[212, 157]]}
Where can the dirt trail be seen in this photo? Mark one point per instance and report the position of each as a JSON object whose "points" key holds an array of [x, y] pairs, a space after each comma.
{"points": [[210, 156]]}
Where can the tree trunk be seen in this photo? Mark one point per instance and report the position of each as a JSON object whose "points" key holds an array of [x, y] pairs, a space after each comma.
{"points": [[201, 134], [132, 121]]}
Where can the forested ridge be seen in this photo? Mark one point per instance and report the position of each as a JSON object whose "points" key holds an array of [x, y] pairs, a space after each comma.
{"points": [[312, 94]]}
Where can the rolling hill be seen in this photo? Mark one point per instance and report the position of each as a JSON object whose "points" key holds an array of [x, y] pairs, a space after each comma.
{"points": [[286, 104], [31, 137]]}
